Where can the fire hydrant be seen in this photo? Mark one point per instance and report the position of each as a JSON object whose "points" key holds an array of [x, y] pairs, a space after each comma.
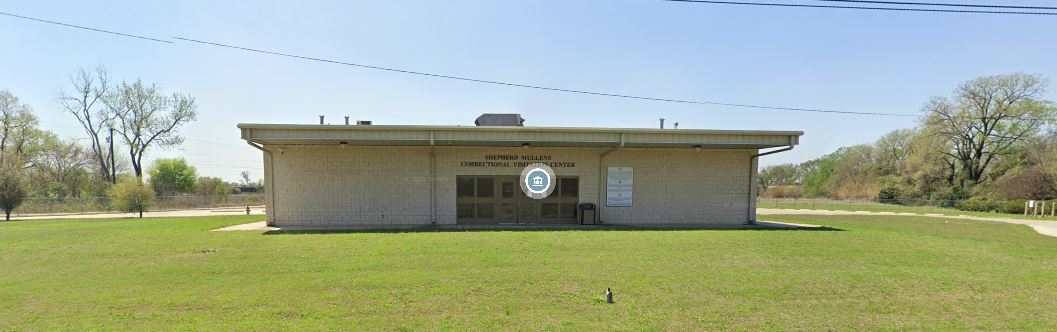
{"points": [[247, 210]]}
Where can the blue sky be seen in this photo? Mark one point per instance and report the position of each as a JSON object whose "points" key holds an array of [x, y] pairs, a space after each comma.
{"points": [[863, 61]]}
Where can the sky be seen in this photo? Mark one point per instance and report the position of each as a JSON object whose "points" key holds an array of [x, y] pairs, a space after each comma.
{"points": [[847, 60]]}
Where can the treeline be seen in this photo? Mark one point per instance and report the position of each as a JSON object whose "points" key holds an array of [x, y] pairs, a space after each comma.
{"points": [[121, 122], [993, 140]]}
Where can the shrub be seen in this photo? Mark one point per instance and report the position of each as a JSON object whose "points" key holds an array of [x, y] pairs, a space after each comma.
{"points": [[12, 191], [1015, 206], [949, 195], [889, 194], [791, 191], [130, 195], [979, 204]]}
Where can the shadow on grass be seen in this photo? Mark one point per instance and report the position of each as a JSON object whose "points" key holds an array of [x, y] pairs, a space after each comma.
{"points": [[549, 228]]}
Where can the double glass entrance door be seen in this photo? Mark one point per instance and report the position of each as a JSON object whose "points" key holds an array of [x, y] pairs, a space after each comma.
{"points": [[499, 200]]}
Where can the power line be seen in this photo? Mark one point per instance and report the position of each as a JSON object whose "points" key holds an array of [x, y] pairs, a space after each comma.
{"points": [[85, 28], [901, 9], [938, 4], [483, 81], [502, 83], [528, 86]]}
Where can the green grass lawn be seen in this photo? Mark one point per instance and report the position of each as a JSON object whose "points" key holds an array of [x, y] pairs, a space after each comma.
{"points": [[825, 204], [875, 272]]}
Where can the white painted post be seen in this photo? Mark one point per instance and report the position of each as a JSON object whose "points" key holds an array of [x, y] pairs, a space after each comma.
{"points": [[1026, 205]]}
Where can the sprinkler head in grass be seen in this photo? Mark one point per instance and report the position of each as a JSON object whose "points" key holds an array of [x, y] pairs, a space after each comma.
{"points": [[609, 295]]}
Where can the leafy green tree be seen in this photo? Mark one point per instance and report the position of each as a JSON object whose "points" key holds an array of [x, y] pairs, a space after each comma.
{"points": [[778, 175], [131, 195], [892, 151], [169, 176], [816, 174], [986, 118], [60, 166], [18, 131], [12, 190], [211, 186], [854, 173], [145, 118]]}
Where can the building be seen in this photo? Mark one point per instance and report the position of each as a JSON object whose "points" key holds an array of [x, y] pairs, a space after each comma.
{"points": [[396, 176]]}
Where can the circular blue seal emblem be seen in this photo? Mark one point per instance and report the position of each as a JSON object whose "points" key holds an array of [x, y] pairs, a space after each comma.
{"points": [[537, 180]]}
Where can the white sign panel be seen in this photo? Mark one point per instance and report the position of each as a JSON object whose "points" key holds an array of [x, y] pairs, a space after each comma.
{"points": [[619, 186]]}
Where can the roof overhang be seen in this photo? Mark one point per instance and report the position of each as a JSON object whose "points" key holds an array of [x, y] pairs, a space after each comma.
{"points": [[389, 135]]}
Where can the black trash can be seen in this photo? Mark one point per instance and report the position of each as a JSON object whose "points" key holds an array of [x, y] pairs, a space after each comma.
{"points": [[587, 213]]}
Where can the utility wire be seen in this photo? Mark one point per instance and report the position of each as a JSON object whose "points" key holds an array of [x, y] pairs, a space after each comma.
{"points": [[938, 4], [468, 79], [501, 83], [86, 28], [901, 9], [528, 86]]}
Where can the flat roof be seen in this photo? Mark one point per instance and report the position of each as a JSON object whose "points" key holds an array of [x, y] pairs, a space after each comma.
{"points": [[419, 135]]}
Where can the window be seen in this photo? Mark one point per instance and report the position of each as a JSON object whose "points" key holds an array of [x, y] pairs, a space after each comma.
{"points": [[485, 187], [464, 186], [508, 189], [568, 210], [485, 210], [464, 210], [550, 210], [570, 187]]}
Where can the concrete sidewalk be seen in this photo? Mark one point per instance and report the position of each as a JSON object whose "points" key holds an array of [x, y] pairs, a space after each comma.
{"points": [[226, 211], [1044, 227]]}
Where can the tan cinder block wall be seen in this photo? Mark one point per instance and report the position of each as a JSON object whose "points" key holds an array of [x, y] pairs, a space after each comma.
{"points": [[679, 186], [332, 186]]}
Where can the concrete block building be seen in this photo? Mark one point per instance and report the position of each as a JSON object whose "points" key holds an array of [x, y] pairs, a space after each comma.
{"points": [[324, 176]]}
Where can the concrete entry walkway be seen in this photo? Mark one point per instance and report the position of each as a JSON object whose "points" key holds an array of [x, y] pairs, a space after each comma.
{"points": [[1044, 227], [253, 226]]}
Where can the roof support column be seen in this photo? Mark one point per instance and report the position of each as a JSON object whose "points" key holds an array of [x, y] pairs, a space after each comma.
{"points": [[602, 176], [269, 182], [753, 162], [432, 179]]}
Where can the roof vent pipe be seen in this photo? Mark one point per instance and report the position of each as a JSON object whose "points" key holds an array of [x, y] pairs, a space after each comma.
{"points": [[320, 119], [346, 120], [662, 123]]}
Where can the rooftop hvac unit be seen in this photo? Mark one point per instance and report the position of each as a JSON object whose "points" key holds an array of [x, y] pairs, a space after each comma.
{"points": [[363, 122], [509, 120]]}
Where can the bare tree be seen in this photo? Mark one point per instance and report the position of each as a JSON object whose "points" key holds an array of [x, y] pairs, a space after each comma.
{"points": [[245, 176], [145, 118], [86, 103], [986, 118]]}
